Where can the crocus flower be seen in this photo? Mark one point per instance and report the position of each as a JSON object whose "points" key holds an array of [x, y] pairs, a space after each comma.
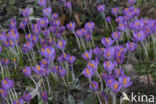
{"points": [[97, 51], [116, 86], [109, 66], [14, 35], [108, 19], [45, 71], [88, 72], [22, 24], [5, 61], [18, 101], [131, 1], [26, 12], [71, 26], [7, 84], [101, 8], [119, 60], [109, 81], [26, 20], [29, 37], [71, 59], [45, 62], [107, 42], [42, 3], [36, 28], [116, 35], [79, 33], [43, 22], [50, 41], [131, 46], [68, 4], [87, 55], [115, 11], [119, 19], [13, 23], [94, 86], [3, 92], [109, 53], [38, 69], [35, 39], [120, 51], [47, 11], [55, 16], [3, 36], [48, 52], [61, 44], [29, 45], [139, 36], [57, 23], [125, 81], [44, 95], [89, 26], [0, 49], [55, 68], [27, 71], [92, 65], [62, 71], [119, 72], [122, 26], [88, 36], [27, 97]]}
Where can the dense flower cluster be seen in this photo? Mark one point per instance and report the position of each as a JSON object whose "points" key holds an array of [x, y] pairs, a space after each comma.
{"points": [[45, 38]]}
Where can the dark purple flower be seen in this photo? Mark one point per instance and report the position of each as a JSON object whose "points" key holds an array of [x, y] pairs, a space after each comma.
{"points": [[5, 61], [116, 86], [109, 53], [131, 46], [107, 42], [43, 22], [116, 35], [27, 71], [45, 72], [26, 12], [109, 66], [92, 65], [22, 24], [94, 86], [88, 72], [115, 11], [101, 8], [44, 95], [109, 81], [27, 97], [88, 36], [55, 16], [87, 55], [71, 26]]}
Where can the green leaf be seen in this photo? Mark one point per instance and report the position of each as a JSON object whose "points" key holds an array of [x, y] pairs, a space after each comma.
{"points": [[90, 99], [71, 99]]}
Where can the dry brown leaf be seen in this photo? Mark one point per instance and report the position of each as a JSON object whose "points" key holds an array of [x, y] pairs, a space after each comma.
{"points": [[77, 15], [63, 19]]}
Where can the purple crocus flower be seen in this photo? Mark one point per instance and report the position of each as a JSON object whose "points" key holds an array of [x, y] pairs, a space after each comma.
{"points": [[107, 42], [131, 1], [122, 26], [45, 62], [48, 52], [55, 68], [97, 51], [119, 72], [101, 8], [71, 26], [139, 36], [44, 95], [45, 71], [18, 101], [27, 97], [55, 16], [68, 4], [38, 69], [131, 46], [79, 33], [116, 86], [119, 19], [0, 49], [50, 41], [88, 36], [22, 24], [120, 51], [115, 11], [62, 71], [87, 55], [36, 28], [119, 60], [3, 92], [13, 23], [13, 34], [109, 81], [109, 53], [109, 66], [7, 84], [71, 59], [116, 35], [88, 72], [108, 19], [26, 12], [5, 61], [3, 36], [26, 20], [27, 71], [29, 37], [29, 45], [42, 3], [47, 11], [94, 86], [43, 22], [125, 81], [92, 64], [61, 44], [89, 26]]}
